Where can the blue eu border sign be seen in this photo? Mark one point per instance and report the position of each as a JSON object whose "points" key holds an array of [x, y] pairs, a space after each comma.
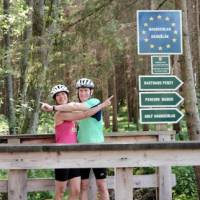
{"points": [[159, 32]]}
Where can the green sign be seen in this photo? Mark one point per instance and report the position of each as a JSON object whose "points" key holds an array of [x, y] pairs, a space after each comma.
{"points": [[160, 116], [152, 83], [159, 99], [160, 64]]}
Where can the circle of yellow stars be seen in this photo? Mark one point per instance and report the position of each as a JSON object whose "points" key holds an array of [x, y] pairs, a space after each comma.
{"points": [[166, 19]]}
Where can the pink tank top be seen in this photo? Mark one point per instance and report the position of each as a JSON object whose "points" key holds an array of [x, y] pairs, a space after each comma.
{"points": [[66, 133]]}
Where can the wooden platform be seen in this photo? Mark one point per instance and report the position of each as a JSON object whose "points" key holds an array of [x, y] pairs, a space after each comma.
{"points": [[121, 151]]}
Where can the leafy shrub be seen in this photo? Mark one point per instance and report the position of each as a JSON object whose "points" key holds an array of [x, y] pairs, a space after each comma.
{"points": [[186, 185], [3, 125], [40, 196]]}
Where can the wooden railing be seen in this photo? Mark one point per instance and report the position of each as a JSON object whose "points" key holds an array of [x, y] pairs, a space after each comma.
{"points": [[127, 137], [27, 142], [120, 156]]}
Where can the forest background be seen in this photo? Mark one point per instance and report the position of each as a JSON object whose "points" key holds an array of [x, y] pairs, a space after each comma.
{"points": [[48, 42]]}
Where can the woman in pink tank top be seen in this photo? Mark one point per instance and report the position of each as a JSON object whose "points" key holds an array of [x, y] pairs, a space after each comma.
{"points": [[65, 133]]}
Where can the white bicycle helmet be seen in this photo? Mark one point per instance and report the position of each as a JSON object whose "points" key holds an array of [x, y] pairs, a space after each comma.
{"points": [[58, 88], [84, 83]]}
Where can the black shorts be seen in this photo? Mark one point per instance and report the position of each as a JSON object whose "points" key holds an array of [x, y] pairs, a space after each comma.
{"points": [[66, 174], [100, 173]]}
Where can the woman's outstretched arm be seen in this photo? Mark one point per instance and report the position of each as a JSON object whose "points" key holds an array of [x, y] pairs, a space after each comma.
{"points": [[71, 116]]}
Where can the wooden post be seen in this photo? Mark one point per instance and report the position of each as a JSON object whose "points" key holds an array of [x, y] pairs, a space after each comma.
{"points": [[165, 188], [123, 184], [164, 175], [17, 187], [92, 191], [17, 180]]}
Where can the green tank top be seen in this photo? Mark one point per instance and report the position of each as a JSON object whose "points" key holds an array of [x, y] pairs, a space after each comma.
{"points": [[90, 130]]}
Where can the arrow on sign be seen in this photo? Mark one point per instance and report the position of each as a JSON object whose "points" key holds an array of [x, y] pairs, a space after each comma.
{"points": [[160, 116], [151, 83], [160, 99]]}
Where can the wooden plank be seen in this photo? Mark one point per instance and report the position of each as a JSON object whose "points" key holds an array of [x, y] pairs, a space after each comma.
{"points": [[41, 184], [28, 138], [109, 155], [135, 136], [123, 184], [142, 181], [17, 189], [38, 141], [164, 138], [132, 139], [139, 133], [3, 185], [187, 145], [130, 133], [14, 140]]}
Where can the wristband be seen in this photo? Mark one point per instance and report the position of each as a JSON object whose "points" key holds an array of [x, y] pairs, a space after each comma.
{"points": [[54, 109]]}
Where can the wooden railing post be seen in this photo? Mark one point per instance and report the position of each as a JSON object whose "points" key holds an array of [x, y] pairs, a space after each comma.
{"points": [[92, 191], [17, 180], [164, 175], [123, 183], [165, 188], [17, 185]]}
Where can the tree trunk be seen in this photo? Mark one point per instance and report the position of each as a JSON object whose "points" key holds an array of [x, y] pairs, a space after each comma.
{"points": [[153, 4], [106, 113], [101, 56], [146, 71], [193, 26], [198, 39], [25, 53], [176, 70], [38, 71], [190, 99], [114, 119], [24, 67], [9, 78], [129, 86]]}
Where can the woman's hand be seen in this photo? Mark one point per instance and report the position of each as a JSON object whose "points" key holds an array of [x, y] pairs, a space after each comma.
{"points": [[46, 107]]}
